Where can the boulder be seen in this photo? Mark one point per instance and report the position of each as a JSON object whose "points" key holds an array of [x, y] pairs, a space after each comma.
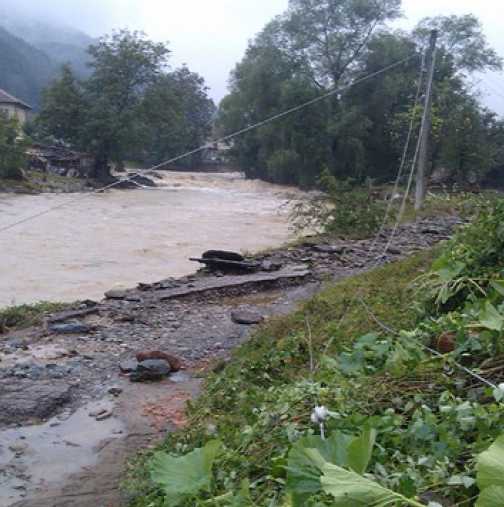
{"points": [[174, 362], [151, 371]]}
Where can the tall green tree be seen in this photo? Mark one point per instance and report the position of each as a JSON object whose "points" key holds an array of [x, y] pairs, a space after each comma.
{"points": [[123, 66], [131, 106], [12, 148], [178, 116], [360, 133], [63, 108]]}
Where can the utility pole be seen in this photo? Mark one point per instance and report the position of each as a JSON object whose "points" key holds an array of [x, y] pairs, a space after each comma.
{"points": [[425, 131]]}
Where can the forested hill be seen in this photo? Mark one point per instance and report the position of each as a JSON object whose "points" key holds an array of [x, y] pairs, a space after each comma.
{"points": [[31, 55]]}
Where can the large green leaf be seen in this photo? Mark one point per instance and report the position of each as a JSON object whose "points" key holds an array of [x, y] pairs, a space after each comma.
{"points": [[360, 451], [490, 467], [184, 476], [303, 467], [492, 496], [491, 318], [350, 489], [310, 454]]}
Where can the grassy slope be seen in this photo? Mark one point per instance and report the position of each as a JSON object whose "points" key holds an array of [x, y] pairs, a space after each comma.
{"points": [[258, 401]]}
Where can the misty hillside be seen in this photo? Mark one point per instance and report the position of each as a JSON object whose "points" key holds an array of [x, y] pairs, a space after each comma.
{"points": [[24, 70], [31, 54], [62, 44]]}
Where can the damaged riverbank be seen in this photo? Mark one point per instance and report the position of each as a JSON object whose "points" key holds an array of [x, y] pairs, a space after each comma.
{"points": [[193, 318]]}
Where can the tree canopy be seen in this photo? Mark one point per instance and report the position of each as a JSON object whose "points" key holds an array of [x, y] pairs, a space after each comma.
{"points": [[131, 106], [317, 46]]}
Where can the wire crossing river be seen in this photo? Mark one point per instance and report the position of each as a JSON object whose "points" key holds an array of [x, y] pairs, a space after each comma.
{"points": [[120, 238]]}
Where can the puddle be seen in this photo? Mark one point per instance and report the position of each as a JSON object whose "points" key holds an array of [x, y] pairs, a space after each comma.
{"points": [[34, 457]]}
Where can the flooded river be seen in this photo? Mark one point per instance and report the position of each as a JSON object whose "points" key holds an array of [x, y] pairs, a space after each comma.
{"points": [[120, 238]]}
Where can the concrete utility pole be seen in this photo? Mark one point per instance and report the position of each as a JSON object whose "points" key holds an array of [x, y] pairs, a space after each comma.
{"points": [[423, 155]]}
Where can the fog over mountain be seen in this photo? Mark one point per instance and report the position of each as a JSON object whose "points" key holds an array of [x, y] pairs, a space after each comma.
{"points": [[209, 36]]}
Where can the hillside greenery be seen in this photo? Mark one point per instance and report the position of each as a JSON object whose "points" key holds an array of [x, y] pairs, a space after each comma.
{"points": [[403, 421], [319, 46]]}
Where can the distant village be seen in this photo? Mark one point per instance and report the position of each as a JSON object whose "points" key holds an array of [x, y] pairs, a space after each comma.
{"points": [[60, 160]]}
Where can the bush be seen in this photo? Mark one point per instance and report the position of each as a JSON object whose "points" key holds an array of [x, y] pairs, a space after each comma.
{"points": [[344, 208]]}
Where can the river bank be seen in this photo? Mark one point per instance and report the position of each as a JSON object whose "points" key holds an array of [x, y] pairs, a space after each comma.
{"points": [[59, 378]]}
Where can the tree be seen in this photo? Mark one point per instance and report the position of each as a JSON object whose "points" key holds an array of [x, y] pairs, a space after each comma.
{"points": [[360, 133], [178, 116], [63, 108], [327, 37], [123, 66], [12, 148], [130, 106]]}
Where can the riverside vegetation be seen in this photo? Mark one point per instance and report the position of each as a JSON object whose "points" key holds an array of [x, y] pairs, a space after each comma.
{"points": [[403, 426]]}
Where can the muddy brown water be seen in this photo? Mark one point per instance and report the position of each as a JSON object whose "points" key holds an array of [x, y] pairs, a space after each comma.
{"points": [[120, 238]]}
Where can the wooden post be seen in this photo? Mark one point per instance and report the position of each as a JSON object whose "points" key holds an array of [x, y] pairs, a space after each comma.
{"points": [[423, 155]]}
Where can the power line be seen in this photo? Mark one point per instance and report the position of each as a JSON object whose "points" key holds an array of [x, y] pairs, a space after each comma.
{"points": [[220, 140]]}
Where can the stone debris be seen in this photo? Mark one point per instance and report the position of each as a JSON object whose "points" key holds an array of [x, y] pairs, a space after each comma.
{"points": [[70, 328]]}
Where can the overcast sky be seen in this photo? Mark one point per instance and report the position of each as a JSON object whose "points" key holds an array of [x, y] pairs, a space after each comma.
{"points": [[211, 35]]}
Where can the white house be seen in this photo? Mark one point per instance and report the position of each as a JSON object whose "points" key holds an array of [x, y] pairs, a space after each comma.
{"points": [[14, 107]]}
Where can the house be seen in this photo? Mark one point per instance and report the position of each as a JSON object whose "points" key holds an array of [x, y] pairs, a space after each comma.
{"points": [[14, 107], [59, 160]]}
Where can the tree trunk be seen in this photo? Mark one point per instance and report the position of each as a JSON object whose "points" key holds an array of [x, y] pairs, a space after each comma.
{"points": [[101, 170]]}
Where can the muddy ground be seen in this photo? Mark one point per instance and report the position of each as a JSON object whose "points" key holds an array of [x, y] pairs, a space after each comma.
{"points": [[70, 417]]}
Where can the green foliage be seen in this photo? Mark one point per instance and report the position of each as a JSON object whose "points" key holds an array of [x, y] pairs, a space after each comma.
{"points": [[318, 45], [490, 475], [350, 488], [129, 106], [344, 208], [12, 148], [309, 454], [470, 266], [184, 477]]}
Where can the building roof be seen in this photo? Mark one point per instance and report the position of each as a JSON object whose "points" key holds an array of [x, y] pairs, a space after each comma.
{"points": [[7, 98]]}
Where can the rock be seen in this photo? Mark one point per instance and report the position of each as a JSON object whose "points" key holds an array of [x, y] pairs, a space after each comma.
{"points": [[18, 447], [115, 390], [104, 415], [25, 400], [70, 328], [394, 251], [48, 352], [174, 362], [116, 294], [246, 317], [223, 255], [151, 370], [128, 366], [271, 266], [329, 249]]}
